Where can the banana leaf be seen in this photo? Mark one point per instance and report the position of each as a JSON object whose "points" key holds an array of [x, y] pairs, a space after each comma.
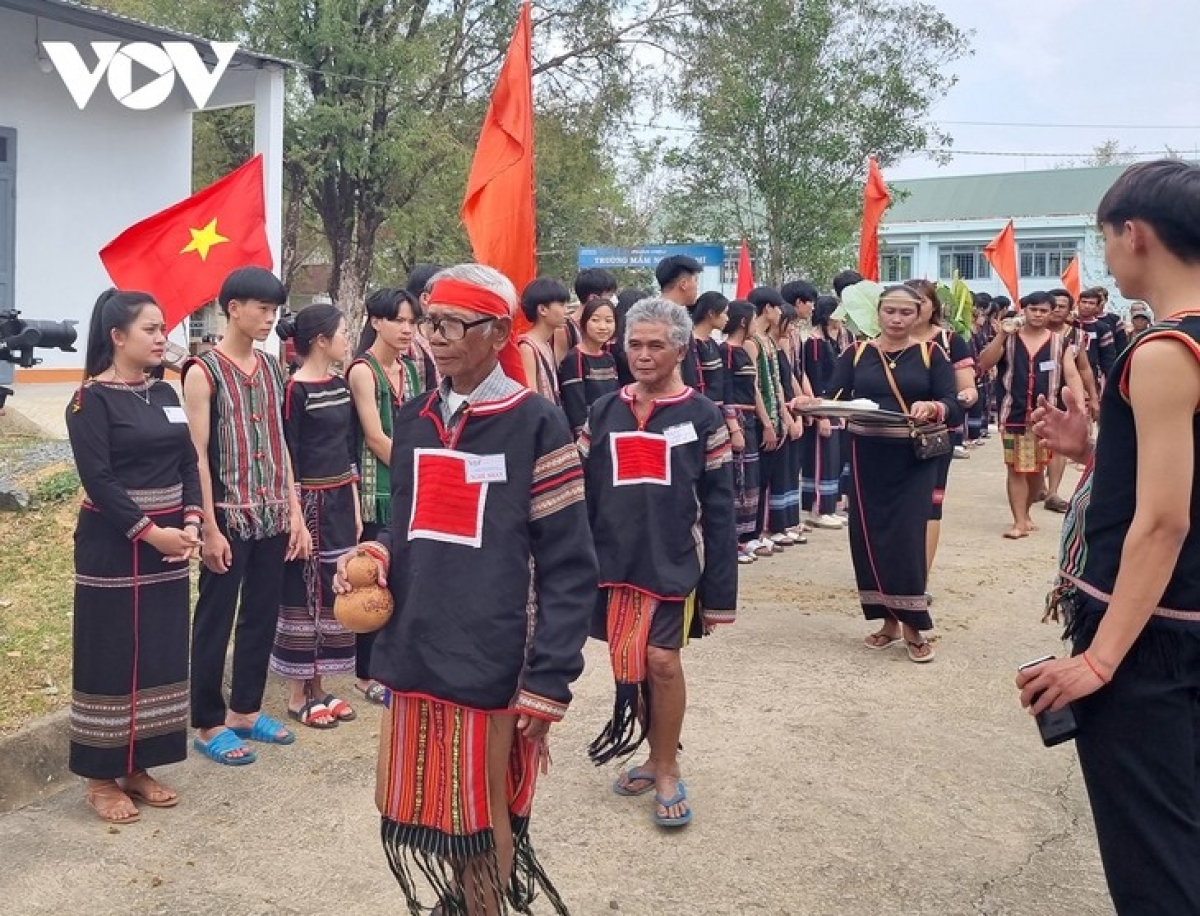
{"points": [[957, 305], [860, 308]]}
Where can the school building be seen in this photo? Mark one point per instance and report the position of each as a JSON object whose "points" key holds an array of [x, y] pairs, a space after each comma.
{"points": [[936, 226]]}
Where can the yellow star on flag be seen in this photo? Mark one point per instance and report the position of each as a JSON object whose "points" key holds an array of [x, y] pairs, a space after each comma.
{"points": [[204, 239]]}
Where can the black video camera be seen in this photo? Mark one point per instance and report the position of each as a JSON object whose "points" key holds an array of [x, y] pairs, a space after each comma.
{"points": [[18, 340]]}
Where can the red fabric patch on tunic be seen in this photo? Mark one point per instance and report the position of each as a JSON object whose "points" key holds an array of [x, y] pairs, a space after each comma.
{"points": [[640, 458], [445, 506]]}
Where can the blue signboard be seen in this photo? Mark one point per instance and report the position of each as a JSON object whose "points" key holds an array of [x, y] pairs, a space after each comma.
{"points": [[709, 256]]}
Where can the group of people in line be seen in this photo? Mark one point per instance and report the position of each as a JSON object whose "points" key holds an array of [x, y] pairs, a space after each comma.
{"points": [[603, 473]]}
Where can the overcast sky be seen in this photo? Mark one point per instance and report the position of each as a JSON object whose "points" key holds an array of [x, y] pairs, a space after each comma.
{"points": [[1117, 63]]}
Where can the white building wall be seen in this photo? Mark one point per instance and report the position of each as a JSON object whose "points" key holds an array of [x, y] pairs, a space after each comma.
{"points": [[82, 176]]}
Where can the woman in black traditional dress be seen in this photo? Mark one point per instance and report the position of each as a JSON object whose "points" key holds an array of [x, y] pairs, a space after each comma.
{"points": [[929, 328], [822, 454], [139, 525], [708, 315], [589, 371], [741, 395], [890, 487], [784, 505], [318, 424], [381, 378]]}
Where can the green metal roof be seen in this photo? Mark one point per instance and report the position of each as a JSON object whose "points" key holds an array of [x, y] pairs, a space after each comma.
{"points": [[1054, 192]]}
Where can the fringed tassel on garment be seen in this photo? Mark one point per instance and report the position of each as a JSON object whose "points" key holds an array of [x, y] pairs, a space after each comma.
{"points": [[628, 727], [454, 867], [528, 877], [1061, 606]]}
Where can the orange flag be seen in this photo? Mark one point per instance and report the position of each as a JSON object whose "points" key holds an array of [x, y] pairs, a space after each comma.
{"points": [[745, 280], [875, 200], [1071, 279], [182, 255], [498, 209], [1001, 253]]}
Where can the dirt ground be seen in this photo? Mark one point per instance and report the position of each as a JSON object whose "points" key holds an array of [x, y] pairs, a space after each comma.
{"points": [[826, 779]]}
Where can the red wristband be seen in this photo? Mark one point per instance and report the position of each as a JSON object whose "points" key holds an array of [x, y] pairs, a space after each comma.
{"points": [[1096, 671]]}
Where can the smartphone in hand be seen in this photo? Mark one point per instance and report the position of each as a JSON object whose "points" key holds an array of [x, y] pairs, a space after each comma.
{"points": [[1054, 727]]}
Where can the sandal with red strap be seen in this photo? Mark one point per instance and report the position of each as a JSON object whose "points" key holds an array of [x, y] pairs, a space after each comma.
{"points": [[342, 711]]}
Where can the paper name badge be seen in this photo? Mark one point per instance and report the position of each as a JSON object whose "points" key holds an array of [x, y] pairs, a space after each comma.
{"points": [[681, 434], [175, 414], [1048, 365], [486, 469]]}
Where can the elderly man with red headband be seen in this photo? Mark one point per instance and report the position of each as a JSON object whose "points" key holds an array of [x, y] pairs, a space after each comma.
{"points": [[490, 562]]}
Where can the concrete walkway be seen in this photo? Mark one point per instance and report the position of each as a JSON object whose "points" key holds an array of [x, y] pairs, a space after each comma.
{"points": [[827, 779], [43, 404]]}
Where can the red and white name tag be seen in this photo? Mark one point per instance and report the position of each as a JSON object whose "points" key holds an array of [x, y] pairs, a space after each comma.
{"points": [[640, 458], [450, 495]]}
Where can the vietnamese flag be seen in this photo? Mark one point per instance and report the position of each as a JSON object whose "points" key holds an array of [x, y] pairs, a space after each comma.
{"points": [[182, 255], [1001, 253], [498, 209], [1071, 279], [745, 276], [875, 200]]}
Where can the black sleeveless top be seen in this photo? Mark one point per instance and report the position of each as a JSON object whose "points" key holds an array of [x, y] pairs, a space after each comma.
{"points": [[1107, 496]]}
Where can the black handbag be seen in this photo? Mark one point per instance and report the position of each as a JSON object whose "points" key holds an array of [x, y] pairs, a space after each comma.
{"points": [[929, 440]]}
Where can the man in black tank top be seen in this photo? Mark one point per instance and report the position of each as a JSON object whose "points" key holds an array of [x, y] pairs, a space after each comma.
{"points": [[1129, 579]]}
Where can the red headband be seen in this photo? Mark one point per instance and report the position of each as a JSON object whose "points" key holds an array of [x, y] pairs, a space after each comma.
{"points": [[469, 296], [483, 302]]}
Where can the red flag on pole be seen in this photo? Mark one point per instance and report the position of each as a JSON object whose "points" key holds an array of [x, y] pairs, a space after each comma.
{"points": [[875, 200], [1071, 279], [498, 210], [1001, 253], [745, 273], [182, 255]]}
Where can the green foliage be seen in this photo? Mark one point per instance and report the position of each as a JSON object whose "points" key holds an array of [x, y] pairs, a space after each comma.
{"points": [[790, 97], [57, 487]]}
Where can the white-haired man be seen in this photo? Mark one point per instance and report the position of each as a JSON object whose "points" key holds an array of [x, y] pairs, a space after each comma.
{"points": [[660, 499], [491, 566]]}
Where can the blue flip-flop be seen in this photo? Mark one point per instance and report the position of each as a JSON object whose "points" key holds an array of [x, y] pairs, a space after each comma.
{"points": [[637, 774], [266, 730], [221, 745], [680, 797]]}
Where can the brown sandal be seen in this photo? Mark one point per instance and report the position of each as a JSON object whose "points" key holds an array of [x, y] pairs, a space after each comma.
{"points": [[103, 800], [150, 790]]}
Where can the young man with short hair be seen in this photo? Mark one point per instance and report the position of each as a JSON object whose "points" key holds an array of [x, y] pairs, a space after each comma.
{"points": [[1097, 336], [1060, 323], [678, 277], [253, 524], [544, 303], [1129, 577], [1031, 361]]}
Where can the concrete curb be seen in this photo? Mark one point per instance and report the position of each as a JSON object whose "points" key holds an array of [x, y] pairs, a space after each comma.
{"points": [[33, 762]]}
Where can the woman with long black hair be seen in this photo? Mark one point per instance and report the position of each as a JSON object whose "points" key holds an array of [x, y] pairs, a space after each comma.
{"points": [[589, 371], [138, 527], [383, 376], [318, 425], [742, 397], [890, 487], [822, 464]]}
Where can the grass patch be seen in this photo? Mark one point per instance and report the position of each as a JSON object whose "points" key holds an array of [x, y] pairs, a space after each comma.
{"points": [[36, 599], [57, 487]]}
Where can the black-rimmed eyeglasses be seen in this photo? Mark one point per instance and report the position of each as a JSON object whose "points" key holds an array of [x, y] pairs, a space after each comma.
{"points": [[449, 327]]}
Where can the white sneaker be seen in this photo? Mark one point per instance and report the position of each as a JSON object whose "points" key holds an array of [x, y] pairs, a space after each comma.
{"points": [[960, 452], [829, 522], [782, 540]]}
